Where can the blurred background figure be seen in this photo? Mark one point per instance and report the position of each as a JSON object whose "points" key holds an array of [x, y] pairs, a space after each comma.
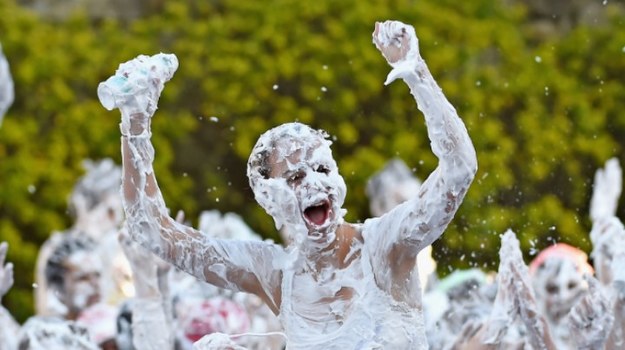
{"points": [[52, 333], [145, 322], [608, 243], [73, 274], [607, 234], [95, 204], [100, 321], [557, 277], [7, 93]]}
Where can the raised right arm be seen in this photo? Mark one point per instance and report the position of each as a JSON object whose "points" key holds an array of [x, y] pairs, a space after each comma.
{"points": [[237, 265]]}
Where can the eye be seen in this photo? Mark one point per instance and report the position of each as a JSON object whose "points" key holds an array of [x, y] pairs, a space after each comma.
{"points": [[552, 289], [296, 177], [572, 285], [322, 169]]}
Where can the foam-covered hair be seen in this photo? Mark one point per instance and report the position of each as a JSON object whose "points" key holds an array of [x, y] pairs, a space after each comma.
{"points": [[563, 251], [53, 333], [392, 185], [71, 243], [302, 136], [101, 179]]}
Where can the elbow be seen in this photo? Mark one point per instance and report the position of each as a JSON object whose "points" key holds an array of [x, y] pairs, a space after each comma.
{"points": [[472, 164], [468, 160], [467, 165]]}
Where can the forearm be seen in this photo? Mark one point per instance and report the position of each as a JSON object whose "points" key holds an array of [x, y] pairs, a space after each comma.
{"points": [[448, 135], [442, 193], [150, 325], [147, 216]]}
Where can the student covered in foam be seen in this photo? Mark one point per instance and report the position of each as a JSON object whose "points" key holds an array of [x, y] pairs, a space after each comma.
{"points": [[337, 285], [95, 204]]}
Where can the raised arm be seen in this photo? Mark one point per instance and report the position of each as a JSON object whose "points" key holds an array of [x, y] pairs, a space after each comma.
{"points": [[151, 318], [515, 277], [6, 271], [590, 321], [8, 326], [237, 265], [418, 222], [606, 192]]}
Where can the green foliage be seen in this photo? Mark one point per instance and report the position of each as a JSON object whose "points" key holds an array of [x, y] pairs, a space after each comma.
{"points": [[543, 112]]}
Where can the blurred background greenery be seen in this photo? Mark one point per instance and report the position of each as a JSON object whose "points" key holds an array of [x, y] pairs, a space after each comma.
{"points": [[539, 85]]}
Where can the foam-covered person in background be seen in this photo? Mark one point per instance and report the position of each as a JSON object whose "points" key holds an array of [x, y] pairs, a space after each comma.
{"points": [[557, 274], [151, 326], [95, 204], [608, 243], [73, 273]]}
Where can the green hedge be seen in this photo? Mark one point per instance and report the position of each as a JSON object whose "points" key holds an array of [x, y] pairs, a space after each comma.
{"points": [[543, 112]]}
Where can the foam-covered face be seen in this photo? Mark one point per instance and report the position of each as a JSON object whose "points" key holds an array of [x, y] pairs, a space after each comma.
{"points": [[558, 285], [107, 215], [303, 191], [82, 281]]}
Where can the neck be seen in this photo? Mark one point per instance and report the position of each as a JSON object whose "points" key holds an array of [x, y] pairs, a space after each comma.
{"points": [[333, 254]]}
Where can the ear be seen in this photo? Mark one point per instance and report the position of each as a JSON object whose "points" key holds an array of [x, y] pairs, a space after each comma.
{"points": [[79, 205]]}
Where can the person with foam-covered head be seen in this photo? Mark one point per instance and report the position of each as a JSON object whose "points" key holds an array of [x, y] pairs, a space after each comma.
{"points": [[95, 204], [557, 274], [337, 285], [73, 274]]}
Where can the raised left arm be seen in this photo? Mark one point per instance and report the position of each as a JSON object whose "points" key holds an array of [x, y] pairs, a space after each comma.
{"points": [[419, 221]]}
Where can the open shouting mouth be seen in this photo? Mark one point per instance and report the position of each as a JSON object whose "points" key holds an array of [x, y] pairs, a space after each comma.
{"points": [[318, 214]]}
